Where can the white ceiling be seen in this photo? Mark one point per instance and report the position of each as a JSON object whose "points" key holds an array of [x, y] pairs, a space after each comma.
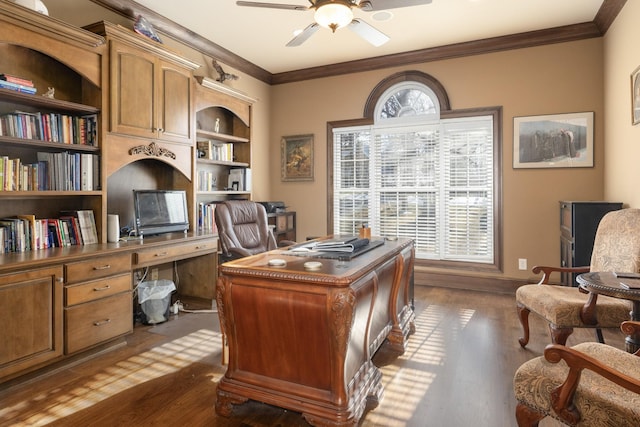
{"points": [[259, 35]]}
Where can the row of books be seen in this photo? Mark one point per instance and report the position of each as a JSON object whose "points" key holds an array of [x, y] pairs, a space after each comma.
{"points": [[62, 171], [215, 150], [206, 217], [27, 233], [207, 181], [9, 81], [51, 127]]}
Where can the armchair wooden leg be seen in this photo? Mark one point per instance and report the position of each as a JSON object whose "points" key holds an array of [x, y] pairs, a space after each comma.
{"points": [[527, 417], [523, 315], [559, 335]]}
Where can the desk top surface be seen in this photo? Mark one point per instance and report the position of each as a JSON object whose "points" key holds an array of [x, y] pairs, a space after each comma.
{"points": [[281, 264]]}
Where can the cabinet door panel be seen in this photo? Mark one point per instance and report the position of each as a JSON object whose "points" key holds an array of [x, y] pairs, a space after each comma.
{"points": [[133, 91], [176, 102], [31, 315]]}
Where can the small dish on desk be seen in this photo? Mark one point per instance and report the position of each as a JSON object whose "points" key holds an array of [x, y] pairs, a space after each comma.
{"points": [[312, 265], [277, 262]]}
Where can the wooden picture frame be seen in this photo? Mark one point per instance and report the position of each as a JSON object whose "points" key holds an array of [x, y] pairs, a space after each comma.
{"points": [[635, 96], [296, 154], [553, 141]]}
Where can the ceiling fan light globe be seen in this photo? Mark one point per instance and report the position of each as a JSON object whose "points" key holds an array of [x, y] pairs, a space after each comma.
{"points": [[333, 15]]}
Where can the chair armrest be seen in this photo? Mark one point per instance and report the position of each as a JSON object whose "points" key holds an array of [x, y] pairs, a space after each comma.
{"points": [[239, 252], [546, 271], [562, 396]]}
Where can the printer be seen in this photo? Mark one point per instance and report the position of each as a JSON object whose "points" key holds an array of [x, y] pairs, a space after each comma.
{"points": [[274, 207]]}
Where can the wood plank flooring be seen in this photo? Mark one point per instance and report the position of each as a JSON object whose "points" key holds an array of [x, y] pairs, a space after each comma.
{"points": [[457, 371]]}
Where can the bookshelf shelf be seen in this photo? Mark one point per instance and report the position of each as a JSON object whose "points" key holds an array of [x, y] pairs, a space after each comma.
{"points": [[224, 193], [8, 95], [45, 145], [220, 136], [45, 194], [223, 163]]}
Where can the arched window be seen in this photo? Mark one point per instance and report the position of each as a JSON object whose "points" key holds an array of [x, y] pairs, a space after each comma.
{"points": [[420, 170]]}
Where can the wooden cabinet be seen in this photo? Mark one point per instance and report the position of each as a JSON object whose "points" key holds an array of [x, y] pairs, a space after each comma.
{"points": [[578, 224], [34, 125], [31, 316], [284, 225], [150, 91], [98, 301], [223, 135], [150, 97]]}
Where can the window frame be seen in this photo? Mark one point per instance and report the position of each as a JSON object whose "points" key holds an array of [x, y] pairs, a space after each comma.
{"points": [[445, 113]]}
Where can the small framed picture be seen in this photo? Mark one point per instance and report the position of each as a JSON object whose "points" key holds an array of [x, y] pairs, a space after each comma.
{"points": [[635, 96], [553, 141], [297, 158]]}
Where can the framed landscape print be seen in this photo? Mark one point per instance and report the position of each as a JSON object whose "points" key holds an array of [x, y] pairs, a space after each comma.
{"points": [[297, 158], [553, 141]]}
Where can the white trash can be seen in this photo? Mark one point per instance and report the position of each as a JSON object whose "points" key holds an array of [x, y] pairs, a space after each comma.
{"points": [[155, 298]]}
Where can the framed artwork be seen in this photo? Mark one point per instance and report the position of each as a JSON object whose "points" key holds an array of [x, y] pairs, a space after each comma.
{"points": [[635, 96], [296, 153], [553, 141]]}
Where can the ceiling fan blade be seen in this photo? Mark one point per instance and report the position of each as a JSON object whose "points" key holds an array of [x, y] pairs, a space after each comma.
{"points": [[272, 5], [375, 5], [304, 35], [367, 32]]}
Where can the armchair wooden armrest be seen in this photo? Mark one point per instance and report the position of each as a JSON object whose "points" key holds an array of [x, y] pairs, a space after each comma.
{"points": [[546, 271], [562, 396]]}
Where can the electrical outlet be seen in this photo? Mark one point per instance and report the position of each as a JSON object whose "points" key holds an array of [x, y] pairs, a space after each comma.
{"points": [[154, 274], [522, 263]]}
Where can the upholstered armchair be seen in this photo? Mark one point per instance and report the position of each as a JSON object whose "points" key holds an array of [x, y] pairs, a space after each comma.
{"points": [[243, 229], [616, 248], [590, 384]]}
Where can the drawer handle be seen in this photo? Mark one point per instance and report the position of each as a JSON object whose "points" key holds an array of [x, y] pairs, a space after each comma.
{"points": [[104, 267], [104, 288], [161, 254], [101, 322], [201, 247]]}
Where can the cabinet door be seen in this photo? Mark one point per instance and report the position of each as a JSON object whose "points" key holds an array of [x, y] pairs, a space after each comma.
{"points": [[133, 91], [31, 318], [175, 108]]}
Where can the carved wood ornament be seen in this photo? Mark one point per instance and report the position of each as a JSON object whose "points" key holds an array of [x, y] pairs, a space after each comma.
{"points": [[152, 150]]}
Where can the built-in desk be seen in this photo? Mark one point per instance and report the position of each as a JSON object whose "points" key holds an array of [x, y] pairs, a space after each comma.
{"points": [[60, 303], [304, 339]]}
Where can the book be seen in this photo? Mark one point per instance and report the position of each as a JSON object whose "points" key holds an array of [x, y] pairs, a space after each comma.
{"points": [[88, 228], [15, 79], [17, 87]]}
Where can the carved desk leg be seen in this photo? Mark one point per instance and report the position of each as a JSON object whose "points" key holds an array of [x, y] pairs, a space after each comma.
{"points": [[225, 402]]}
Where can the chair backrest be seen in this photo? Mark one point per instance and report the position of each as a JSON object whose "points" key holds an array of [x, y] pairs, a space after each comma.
{"points": [[617, 243], [243, 224]]}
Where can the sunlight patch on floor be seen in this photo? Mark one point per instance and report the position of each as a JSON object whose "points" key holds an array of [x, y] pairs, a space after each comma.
{"points": [[405, 387], [155, 363]]}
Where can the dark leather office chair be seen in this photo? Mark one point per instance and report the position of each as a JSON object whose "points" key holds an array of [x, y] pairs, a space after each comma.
{"points": [[243, 229]]}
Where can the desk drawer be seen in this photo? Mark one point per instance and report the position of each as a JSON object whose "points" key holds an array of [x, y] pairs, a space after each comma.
{"points": [[98, 321], [96, 268], [169, 253], [96, 289]]}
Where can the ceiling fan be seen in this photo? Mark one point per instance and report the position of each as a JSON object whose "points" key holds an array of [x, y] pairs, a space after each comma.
{"points": [[335, 14]]}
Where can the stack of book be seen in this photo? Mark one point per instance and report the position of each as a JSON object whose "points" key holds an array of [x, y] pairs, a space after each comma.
{"points": [[51, 127], [215, 150], [23, 233], [9, 81], [206, 217], [53, 172]]}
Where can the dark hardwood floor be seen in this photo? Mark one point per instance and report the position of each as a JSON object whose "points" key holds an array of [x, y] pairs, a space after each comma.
{"points": [[457, 371]]}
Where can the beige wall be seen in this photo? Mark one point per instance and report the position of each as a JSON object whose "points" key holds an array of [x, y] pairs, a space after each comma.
{"points": [[558, 78], [622, 57]]}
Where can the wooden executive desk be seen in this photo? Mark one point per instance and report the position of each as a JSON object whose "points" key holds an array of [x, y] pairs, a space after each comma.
{"points": [[303, 340]]}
